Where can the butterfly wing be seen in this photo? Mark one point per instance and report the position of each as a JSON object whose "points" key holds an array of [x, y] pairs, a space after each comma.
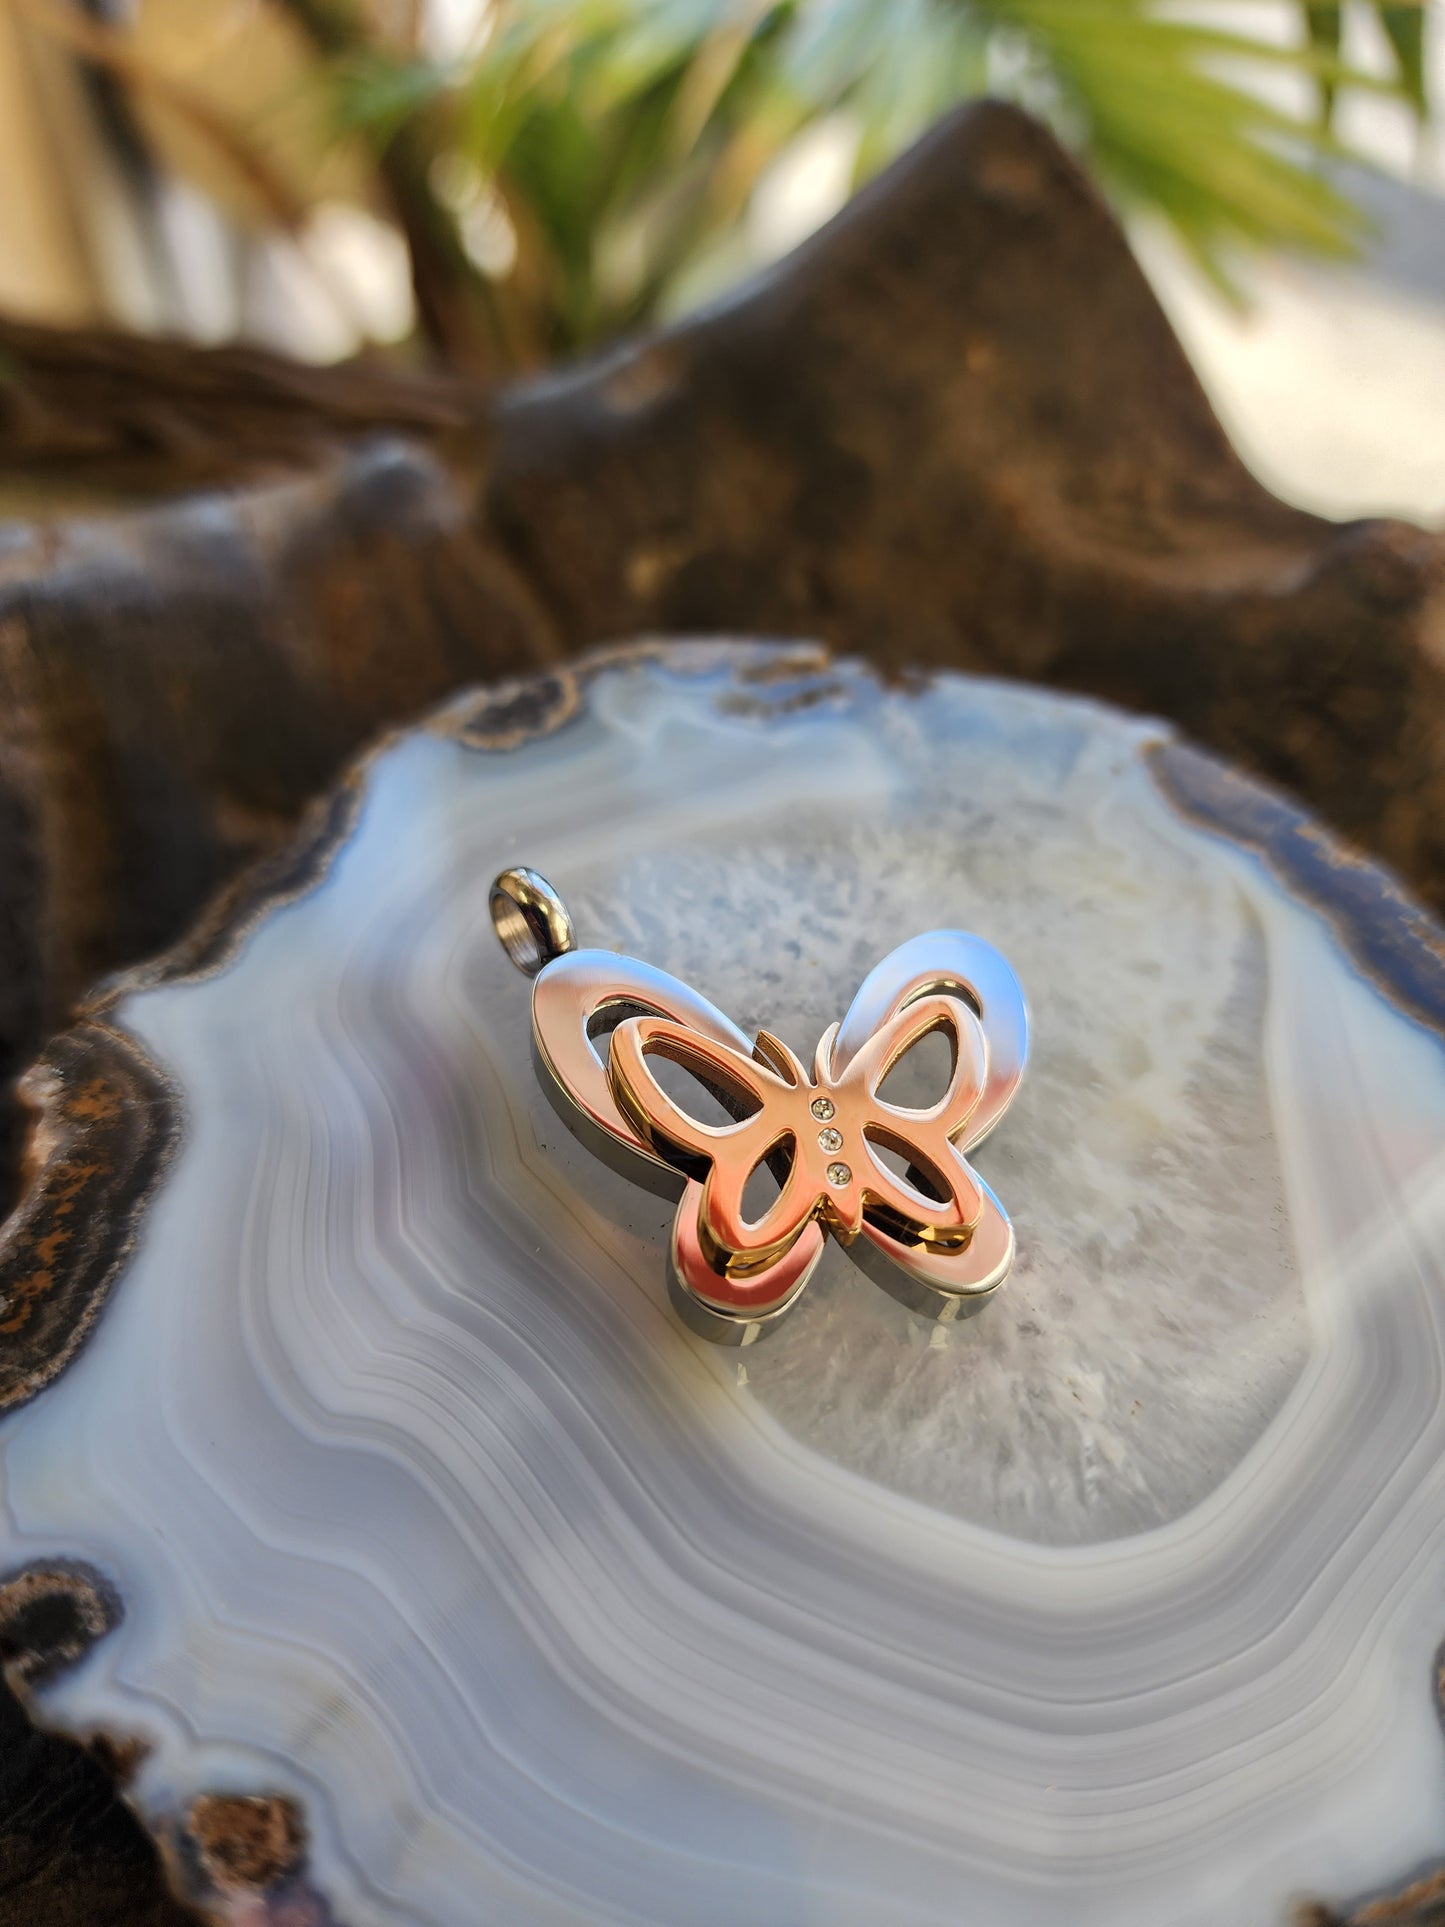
{"points": [[576, 1001], [938, 1201], [722, 1157], [938, 1283], [909, 1246], [950, 963], [605, 1092]]}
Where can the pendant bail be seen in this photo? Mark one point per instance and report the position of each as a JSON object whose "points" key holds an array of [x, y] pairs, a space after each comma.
{"points": [[530, 919]]}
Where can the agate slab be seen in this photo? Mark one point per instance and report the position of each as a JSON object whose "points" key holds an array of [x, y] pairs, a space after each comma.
{"points": [[1117, 1604]]}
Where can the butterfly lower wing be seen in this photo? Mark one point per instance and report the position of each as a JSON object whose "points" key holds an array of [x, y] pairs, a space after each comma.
{"points": [[734, 1310], [939, 1283]]}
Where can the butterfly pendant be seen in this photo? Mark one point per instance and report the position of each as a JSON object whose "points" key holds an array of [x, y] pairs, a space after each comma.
{"points": [[924, 1225]]}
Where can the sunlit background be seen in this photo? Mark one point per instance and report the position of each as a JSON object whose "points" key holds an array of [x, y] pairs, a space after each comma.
{"points": [[496, 183]]}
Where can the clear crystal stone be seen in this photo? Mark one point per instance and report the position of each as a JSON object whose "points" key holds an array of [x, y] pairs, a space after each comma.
{"points": [[839, 1174], [830, 1140], [822, 1107]]}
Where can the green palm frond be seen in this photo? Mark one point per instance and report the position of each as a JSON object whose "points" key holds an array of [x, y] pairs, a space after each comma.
{"points": [[1405, 30], [625, 136], [1165, 128], [1325, 26]]}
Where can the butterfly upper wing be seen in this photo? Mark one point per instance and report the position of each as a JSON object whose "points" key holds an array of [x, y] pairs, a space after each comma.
{"points": [[568, 998], [722, 1156], [666, 1126], [949, 963]]}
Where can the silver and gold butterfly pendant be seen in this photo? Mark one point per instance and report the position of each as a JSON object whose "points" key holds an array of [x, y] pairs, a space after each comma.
{"points": [[892, 1184]]}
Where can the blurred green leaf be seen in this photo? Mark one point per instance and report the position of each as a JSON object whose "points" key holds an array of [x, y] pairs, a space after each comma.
{"points": [[624, 137], [1405, 30], [1166, 129], [1325, 27], [378, 95]]}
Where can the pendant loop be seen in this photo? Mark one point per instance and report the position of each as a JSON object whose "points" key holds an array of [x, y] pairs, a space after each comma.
{"points": [[531, 920]]}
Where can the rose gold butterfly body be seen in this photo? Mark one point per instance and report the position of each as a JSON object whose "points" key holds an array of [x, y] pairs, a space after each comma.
{"points": [[891, 1183]]}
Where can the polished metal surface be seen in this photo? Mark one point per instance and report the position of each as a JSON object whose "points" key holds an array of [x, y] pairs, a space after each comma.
{"points": [[933, 1235], [949, 963], [531, 920], [574, 1001]]}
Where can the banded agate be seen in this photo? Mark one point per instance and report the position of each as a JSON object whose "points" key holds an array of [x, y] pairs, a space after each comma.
{"points": [[1116, 1604]]}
